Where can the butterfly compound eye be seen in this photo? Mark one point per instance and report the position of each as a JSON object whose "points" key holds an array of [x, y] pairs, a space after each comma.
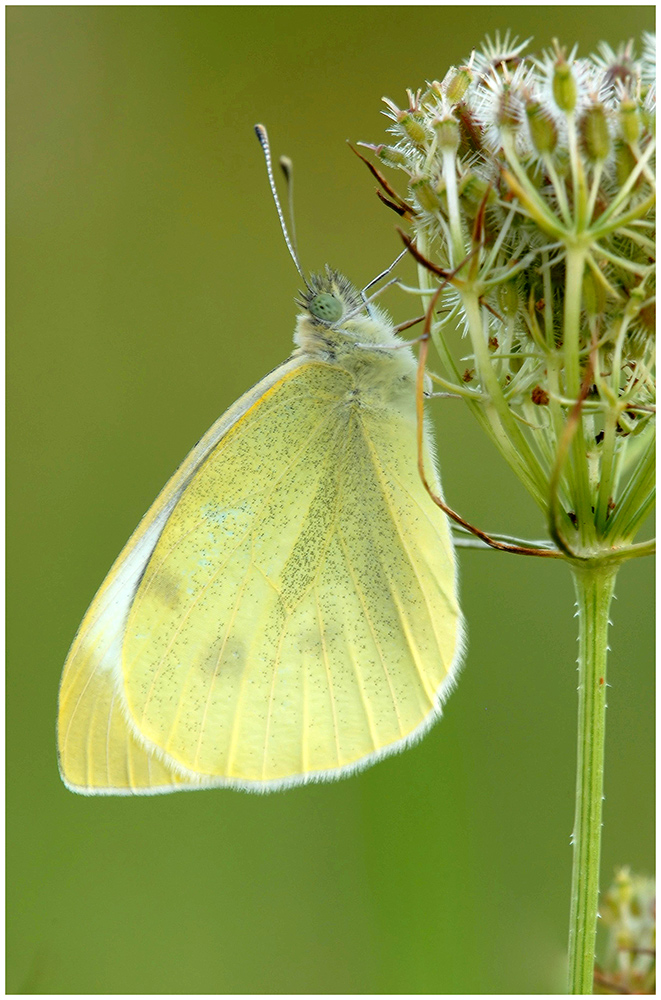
{"points": [[326, 307]]}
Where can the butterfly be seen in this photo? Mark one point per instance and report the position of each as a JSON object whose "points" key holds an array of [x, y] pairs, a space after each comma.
{"points": [[287, 610]]}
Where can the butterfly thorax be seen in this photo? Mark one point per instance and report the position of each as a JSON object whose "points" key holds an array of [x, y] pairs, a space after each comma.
{"points": [[335, 327]]}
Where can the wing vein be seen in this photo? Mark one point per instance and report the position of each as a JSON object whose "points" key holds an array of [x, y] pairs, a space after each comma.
{"points": [[415, 653], [75, 709], [270, 705], [330, 679], [363, 697], [371, 628], [402, 538]]}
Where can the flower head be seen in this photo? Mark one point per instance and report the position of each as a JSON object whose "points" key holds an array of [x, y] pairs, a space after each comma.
{"points": [[531, 184]]}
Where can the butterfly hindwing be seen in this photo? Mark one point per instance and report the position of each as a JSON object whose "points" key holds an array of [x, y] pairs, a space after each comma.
{"points": [[297, 615], [286, 611]]}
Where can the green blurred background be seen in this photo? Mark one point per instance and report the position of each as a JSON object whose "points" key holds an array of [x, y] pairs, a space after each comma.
{"points": [[148, 286]]}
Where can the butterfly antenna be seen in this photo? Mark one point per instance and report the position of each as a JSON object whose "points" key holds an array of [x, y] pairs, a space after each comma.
{"points": [[287, 168], [261, 133]]}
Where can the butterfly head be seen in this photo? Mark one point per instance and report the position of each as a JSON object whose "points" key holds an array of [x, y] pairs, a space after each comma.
{"points": [[336, 324], [330, 299]]}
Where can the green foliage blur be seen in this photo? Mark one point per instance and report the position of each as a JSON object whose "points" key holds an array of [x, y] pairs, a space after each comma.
{"points": [[148, 286]]}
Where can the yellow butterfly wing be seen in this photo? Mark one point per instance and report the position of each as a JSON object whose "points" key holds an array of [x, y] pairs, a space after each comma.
{"points": [[285, 612], [98, 751]]}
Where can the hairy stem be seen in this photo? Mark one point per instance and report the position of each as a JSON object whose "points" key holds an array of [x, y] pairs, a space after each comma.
{"points": [[594, 586]]}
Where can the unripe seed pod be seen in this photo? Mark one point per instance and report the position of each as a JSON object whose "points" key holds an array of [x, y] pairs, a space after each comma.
{"points": [[413, 128], [508, 115], [562, 163], [564, 87], [472, 190], [543, 131], [425, 194], [459, 84], [625, 162], [648, 118], [629, 121], [392, 156], [593, 129]]}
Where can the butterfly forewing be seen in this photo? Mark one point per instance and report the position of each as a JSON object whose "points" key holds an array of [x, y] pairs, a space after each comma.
{"points": [[99, 749]]}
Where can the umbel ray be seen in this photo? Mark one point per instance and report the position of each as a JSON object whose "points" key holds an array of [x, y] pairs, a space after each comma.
{"points": [[286, 611]]}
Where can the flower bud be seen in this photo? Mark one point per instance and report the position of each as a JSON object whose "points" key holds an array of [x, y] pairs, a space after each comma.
{"points": [[543, 131], [564, 86], [593, 129], [459, 84]]}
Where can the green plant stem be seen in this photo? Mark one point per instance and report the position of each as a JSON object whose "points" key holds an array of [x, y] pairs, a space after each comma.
{"points": [[594, 584]]}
